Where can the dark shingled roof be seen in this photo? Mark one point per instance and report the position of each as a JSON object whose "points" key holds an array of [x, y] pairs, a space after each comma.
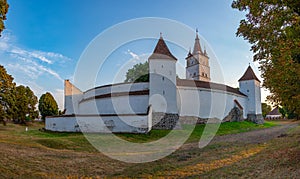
{"points": [[249, 75], [275, 111], [208, 85], [162, 51]]}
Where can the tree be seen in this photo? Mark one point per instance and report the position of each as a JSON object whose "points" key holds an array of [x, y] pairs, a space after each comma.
{"points": [[47, 105], [273, 29], [265, 109], [286, 113], [7, 99], [138, 73], [25, 104], [3, 11]]}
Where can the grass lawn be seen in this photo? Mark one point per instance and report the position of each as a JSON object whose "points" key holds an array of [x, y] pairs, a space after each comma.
{"points": [[78, 142], [225, 128], [37, 154]]}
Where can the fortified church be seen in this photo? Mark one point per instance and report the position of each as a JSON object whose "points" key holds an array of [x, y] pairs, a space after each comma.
{"points": [[162, 103]]}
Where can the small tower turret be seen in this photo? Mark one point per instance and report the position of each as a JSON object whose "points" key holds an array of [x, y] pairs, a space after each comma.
{"points": [[162, 82], [250, 85]]}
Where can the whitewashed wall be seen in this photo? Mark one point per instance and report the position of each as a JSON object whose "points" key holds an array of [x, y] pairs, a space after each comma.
{"points": [[129, 104], [163, 85], [206, 103], [101, 124], [251, 88]]}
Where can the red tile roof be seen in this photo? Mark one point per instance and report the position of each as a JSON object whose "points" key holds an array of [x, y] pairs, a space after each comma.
{"points": [[249, 75], [208, 85], [162, 51]]}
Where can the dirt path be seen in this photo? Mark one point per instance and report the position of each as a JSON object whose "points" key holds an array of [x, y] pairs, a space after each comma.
{"points": [[251, 137]]}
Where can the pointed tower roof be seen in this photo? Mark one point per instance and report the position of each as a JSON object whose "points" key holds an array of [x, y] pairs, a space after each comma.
{"points": [[197, 46], [249, 75], [162, 51]]}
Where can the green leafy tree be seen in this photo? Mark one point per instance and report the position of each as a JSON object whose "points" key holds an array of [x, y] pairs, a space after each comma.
{"points": [[25, 104], [47, 105], [265, 109], [3, 11], [286, 113], [273, 29], [138, 73], [7, 98]]}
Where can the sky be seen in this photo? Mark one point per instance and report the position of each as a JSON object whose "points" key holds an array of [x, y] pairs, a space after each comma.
{"points": [[44, 40]]}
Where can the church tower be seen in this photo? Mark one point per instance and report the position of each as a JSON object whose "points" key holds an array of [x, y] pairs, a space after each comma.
{"points": [[197, 63]]}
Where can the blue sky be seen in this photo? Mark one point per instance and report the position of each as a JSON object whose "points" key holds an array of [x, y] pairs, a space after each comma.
{"points": [[44, 40]]}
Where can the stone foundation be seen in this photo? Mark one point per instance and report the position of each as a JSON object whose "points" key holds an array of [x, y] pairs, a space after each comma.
{"points": [[192, 120], [255, 118], [165, 121], [235, 115]]}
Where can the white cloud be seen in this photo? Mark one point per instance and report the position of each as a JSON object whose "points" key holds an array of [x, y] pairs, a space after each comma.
{"points": [[133, 55], [33, 67], [34, 62]]}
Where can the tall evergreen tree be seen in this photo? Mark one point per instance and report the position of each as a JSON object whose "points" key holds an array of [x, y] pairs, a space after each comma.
{"points": [[47, 105]]}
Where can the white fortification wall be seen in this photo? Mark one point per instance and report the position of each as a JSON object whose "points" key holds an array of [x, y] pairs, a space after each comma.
{"points": [[208, 103], [100, 111]]}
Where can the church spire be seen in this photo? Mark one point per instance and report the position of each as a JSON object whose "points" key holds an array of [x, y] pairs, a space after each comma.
{"points": [[197, 46]]}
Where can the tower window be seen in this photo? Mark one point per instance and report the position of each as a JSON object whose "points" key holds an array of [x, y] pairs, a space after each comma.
{"points": [[163, 92], [162, 66], [195, 74], [163, 78]]}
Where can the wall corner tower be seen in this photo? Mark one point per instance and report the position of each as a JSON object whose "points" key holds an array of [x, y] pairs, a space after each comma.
{"points": [[250, 85]]}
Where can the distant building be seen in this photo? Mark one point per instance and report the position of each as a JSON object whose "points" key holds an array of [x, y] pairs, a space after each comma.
{"points": [[274, 114], [159, 103]]}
